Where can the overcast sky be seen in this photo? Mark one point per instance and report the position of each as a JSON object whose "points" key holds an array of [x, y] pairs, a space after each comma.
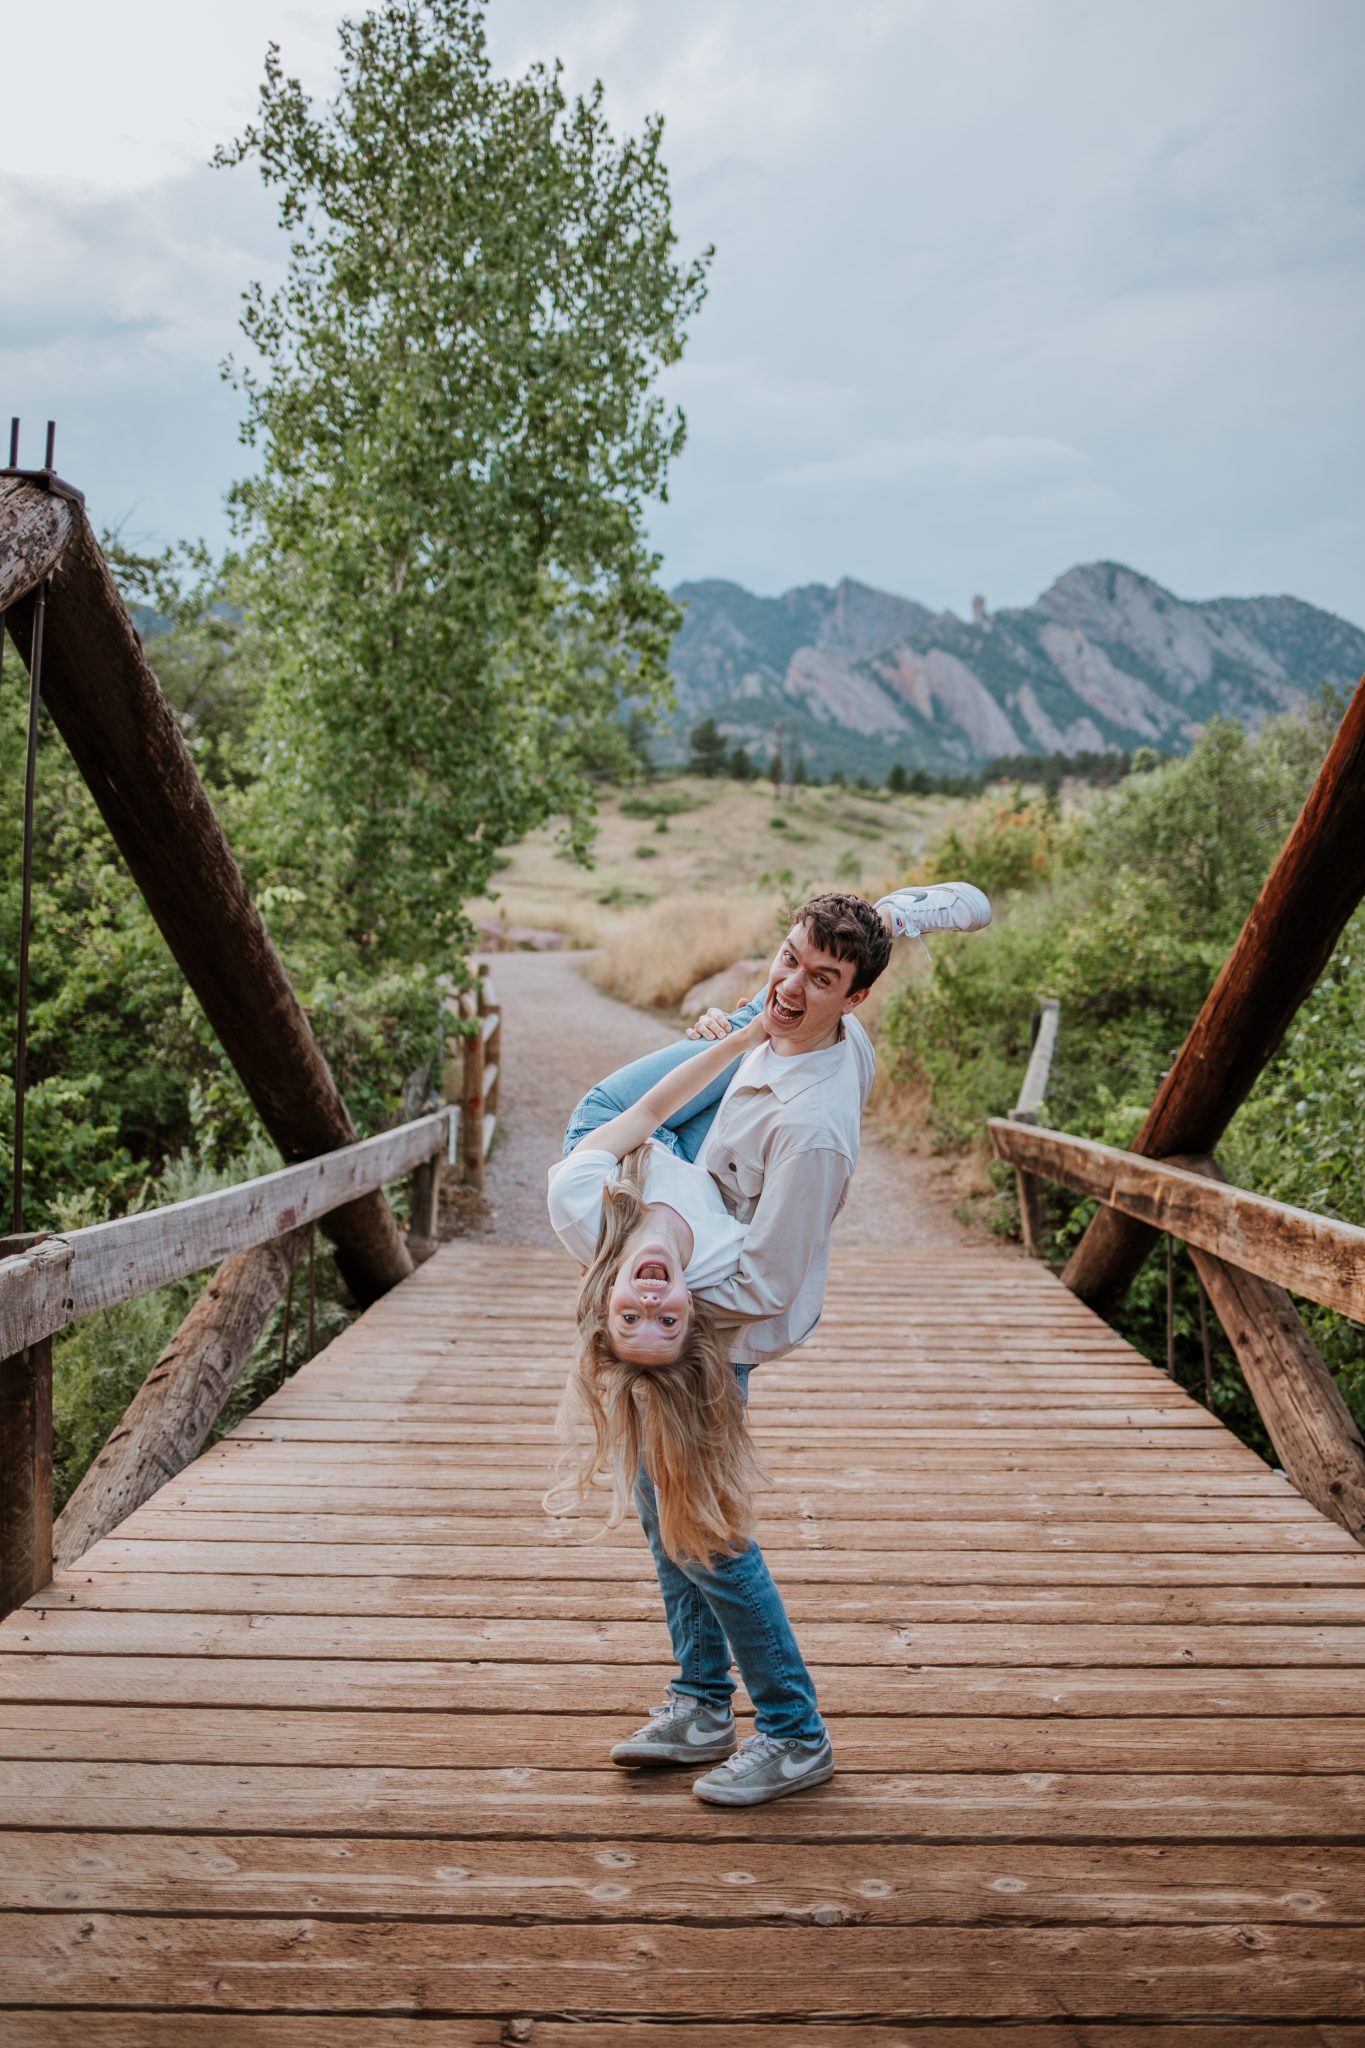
{"points": [[1000, 285]]}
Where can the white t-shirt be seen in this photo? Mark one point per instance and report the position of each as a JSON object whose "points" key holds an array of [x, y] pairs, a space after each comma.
{"points": [[575, 1202]]}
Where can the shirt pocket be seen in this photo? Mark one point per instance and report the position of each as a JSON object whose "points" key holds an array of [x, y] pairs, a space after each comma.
{"points": [[736, 1170]]}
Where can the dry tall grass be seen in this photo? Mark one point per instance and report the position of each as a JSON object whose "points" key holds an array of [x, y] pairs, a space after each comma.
{"points": [[651, 956]]}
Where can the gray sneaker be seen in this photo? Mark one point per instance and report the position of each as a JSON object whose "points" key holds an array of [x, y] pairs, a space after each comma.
{"points": [[940, 907], [764, 1768], [679, 1731]]}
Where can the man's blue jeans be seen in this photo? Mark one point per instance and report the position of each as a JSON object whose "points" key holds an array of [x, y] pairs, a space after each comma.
{"points": [[727, 1607]]}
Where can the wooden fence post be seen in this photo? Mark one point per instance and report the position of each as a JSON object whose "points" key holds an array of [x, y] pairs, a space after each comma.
{"points": [[25, 1473], [472, 1105], [1026, 1110], [424, 1192]]}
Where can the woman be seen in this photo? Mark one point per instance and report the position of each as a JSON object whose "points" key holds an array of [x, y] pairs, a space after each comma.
{"points": [[666, 1409]]}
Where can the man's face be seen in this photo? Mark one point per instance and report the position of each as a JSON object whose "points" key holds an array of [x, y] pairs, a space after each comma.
{"points": [[808, 993]]}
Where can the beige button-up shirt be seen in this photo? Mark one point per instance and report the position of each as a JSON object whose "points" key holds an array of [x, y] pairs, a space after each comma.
{"points": [[782, 1151]]}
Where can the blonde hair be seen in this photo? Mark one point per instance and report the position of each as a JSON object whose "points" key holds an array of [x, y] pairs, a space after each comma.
{"points": [[684, 1422]]}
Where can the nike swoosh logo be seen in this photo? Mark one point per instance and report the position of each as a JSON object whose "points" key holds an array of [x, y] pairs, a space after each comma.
{"points": [[797, 1766], [696, 1736]]}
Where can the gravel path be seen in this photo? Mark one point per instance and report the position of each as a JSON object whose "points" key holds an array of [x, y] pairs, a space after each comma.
{"points": [[560, 1034]]}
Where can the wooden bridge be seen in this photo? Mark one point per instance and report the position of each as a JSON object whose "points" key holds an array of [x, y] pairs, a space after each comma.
{"points": [[318, 1736], [305, 1735]]}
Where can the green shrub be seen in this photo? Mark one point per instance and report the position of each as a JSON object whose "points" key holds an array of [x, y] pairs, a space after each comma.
{"points": [[1126, 915]]}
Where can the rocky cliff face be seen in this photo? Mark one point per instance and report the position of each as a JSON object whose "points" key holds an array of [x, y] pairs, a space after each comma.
{"points": [[1105, 658]]}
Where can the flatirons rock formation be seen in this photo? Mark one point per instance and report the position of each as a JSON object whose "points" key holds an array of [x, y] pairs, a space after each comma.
{"points": [[1105, 659]]}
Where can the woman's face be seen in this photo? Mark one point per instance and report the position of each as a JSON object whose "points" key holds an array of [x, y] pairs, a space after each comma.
{"points": [[649, 1310]]}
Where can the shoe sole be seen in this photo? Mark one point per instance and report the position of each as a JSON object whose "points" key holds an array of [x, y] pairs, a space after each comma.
{"points": [[765, 1798], [695, 1753]]}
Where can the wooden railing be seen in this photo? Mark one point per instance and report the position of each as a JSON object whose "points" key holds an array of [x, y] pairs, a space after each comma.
{"points": [[1250, 1254], [257, 1230]]}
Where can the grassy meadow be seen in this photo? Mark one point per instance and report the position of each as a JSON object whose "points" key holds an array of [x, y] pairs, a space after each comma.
{"points": [[691, 874]]}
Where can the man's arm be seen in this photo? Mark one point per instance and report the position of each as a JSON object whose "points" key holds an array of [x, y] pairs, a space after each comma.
{"points": [[787, 1234]]}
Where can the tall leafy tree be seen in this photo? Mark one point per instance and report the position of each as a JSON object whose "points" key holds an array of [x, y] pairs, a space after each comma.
{"points": [[454, 399]]}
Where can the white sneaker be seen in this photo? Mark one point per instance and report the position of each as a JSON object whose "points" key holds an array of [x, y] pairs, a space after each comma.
{"points": [[940, 907], [764, 1768]]}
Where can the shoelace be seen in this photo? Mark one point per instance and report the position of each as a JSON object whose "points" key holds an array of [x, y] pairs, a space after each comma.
{"points": [[753, 1751]]}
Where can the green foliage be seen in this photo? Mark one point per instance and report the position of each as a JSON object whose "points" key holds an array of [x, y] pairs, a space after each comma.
{"points": [[741, 767], [454, 404], [666, 805], [1126, 915], [709, 753], [897, 778]]}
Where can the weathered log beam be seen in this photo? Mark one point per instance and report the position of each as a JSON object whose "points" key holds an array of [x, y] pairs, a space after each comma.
{"points": [[1316, 1256], [123, 735], [171, 1414], [1312, 1429], [1287, 940], [35, 526]]}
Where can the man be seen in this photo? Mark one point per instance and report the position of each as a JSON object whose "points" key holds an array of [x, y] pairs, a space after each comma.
{"points": [[782, 1146]]}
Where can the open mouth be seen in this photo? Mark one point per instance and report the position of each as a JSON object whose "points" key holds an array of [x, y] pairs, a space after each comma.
{"points": [[783, 1013], [652, 1269]]}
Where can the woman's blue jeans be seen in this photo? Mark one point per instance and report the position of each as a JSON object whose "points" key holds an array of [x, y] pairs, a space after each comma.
{"points": [[685, 1132], [727, 1609]]}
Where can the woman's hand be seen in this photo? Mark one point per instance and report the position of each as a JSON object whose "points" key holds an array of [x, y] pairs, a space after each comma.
{"points": [[714, 1023]]}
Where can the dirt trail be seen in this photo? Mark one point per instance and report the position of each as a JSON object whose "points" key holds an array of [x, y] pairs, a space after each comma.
{"points": [[560, 1034]]}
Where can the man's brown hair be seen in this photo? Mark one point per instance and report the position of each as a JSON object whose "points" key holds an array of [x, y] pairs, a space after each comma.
{"points": [[849, 929]]}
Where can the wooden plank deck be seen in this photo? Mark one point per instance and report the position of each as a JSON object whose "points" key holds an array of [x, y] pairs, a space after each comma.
{"points": [[311, 1752]]}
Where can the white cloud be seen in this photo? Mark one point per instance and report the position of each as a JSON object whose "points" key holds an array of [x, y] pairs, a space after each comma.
{"points": [[999, 286]]}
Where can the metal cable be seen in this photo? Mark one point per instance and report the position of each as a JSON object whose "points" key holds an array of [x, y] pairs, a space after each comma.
{"points": [[35, 670]]}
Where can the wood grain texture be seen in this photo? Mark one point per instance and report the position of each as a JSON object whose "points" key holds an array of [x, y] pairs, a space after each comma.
{"points": [[106, 1263], [1307, 1420], [312, 1747], [25, 1473], [35, 526], [176, 1406], [1314, 1256]]}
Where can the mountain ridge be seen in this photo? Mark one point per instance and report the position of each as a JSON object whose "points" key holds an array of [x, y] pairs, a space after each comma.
{"points": [[1105, 658]]}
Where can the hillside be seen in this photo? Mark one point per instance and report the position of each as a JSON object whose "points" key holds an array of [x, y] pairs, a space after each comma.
{"points": [[1105, 658]]}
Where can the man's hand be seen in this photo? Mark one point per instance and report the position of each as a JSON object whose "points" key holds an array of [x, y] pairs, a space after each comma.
{"points": [[712, 1023]]}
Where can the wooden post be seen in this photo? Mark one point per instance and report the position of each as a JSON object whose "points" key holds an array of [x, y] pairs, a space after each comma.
{"points": [[123, 736], [424, 1188], [1026, 1111], [35, 525], [25, 1473], [1312, 1429], [1313, 889], [472, 1106], [170, 1416]]}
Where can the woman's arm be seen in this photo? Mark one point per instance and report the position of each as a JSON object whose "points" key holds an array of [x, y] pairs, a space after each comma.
{"points": [[673, 1092]]}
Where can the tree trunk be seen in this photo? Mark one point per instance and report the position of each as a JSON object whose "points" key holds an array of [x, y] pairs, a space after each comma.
{"points": [[1287, 940], [109, 708]]}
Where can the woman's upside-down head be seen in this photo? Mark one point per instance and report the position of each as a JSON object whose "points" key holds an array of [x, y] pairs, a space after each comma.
{"points": [[654, 1382]]}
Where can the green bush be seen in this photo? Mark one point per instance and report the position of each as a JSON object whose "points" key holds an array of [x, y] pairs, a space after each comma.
{"points": [[1126, 914]]}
